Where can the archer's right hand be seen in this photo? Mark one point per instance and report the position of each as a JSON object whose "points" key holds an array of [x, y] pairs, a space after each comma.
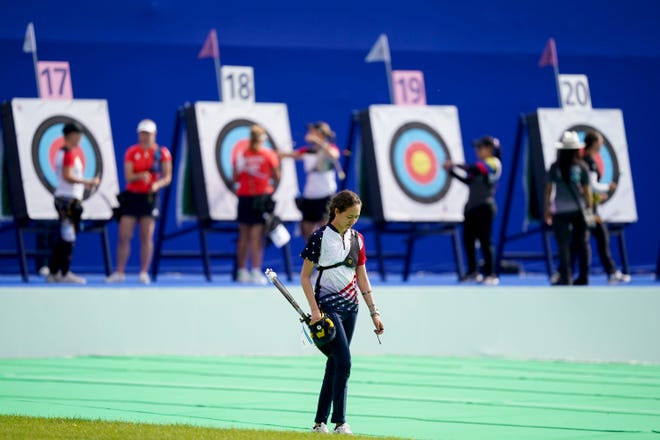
{"points": [[316, 316]]}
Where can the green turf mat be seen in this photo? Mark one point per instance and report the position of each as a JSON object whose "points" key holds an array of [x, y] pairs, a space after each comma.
{"points": [[413, 397]]}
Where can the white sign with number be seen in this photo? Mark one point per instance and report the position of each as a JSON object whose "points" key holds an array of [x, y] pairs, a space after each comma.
{"points": [[575, 92], [237, 84]]}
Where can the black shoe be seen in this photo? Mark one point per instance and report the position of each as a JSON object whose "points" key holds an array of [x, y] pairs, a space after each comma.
{"points": [[580, 281], [472, 277], [558, 280]]}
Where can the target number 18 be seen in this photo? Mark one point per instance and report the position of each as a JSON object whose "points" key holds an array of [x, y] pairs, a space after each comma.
{"points": [[408, 87], [237, 84], [575, 92]]}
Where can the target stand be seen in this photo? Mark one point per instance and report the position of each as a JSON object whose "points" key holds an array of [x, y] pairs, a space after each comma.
{"points": [[657, 266], [206, 135], [404, 189], [536, 136], [31, 136]]}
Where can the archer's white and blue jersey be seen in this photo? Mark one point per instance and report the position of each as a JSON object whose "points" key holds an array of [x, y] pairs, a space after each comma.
{"points": [[337, 288]]}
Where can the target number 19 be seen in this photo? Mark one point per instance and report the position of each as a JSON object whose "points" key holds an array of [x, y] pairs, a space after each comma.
{"points": [[237, 84], [575, 92], [408, 87]]}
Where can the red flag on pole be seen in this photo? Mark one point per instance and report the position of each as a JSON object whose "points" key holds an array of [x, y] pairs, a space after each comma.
{"points": [[549, 56], [210, 48]]}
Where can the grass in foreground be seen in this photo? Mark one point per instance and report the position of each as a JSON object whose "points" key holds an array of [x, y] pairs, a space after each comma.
{"points": [[20, 427]]}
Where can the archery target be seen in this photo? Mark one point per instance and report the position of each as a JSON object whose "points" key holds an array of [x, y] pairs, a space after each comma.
{"points": [[224, 131], [606, 159], [416, 154], [233, 141], [613, 160], [48, 140], [411, 144], [38, 125]]}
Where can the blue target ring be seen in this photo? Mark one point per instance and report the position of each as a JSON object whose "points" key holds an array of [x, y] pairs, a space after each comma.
{"points": [[416, 154], [606, 160], [47, 141], [233, 138]]}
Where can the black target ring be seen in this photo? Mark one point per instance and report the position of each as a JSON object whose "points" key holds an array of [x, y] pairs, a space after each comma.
{"points": [[235, 134], [606, 160], [48, 139]]}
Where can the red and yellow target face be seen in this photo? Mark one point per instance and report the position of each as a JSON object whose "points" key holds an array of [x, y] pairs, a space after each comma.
{"points": [[416, 152], [421, 163]]}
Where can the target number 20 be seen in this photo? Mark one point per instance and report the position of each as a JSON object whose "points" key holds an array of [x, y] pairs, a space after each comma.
{"points": [[575, 92], [238, 84]]}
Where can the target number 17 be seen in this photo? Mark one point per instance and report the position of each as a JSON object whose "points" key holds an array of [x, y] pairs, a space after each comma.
{"points": [[54, 80], [237, 84], [408, 87]]}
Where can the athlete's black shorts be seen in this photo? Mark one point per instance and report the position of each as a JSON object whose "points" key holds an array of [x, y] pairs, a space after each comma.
{"points": [[251, 210], [139, 204], [313, 210]]}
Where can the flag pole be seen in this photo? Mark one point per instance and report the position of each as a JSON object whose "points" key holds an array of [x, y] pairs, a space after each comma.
{"points": [[557, 85], [30, 43], [35, 61], [218, 75], [388, 70], [381, 52]]}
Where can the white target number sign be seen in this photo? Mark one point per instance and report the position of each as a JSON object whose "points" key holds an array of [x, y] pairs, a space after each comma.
{"points": [[237, 84], [575, 93]]}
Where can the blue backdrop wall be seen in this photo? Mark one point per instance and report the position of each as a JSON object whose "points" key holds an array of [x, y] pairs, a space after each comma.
{"points": [[478, 55]]}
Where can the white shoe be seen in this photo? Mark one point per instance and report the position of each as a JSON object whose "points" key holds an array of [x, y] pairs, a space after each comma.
{"points": [[243, 276], [491, 280], [116, 277], [53, 278], [258, 277], [143, 277], [342, 429], [320, 428], [618, 277], [71, 277]]}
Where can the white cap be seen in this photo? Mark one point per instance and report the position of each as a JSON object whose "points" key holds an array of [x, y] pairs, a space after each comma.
{"points": [[570, 140], [146, 125]]}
